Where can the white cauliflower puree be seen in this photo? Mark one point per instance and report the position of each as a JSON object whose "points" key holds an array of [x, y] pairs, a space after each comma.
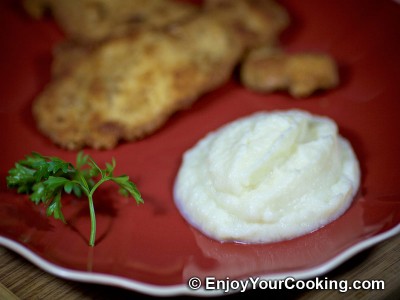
{"points": [[267, 177]]}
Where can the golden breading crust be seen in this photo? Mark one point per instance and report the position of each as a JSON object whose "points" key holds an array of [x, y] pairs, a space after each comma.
{"points": [[269, 69], [128, 87], [255, 22], [88, 21], [252, 22]]}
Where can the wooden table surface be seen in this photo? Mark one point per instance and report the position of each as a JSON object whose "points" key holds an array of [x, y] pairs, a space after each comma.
{"points": [[19, 279]]}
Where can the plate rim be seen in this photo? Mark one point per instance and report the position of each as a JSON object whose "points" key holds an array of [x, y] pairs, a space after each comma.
{"points": [[183, 289]]}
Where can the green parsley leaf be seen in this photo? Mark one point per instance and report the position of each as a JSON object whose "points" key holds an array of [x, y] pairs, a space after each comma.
{"points": [[46, 178]]}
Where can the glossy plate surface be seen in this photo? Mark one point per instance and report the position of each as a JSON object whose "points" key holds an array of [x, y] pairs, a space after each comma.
{"points": [[150, 248]]}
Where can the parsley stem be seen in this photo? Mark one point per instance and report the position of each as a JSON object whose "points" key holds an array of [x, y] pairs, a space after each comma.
{"points": [[91, 210], [92, 221]]}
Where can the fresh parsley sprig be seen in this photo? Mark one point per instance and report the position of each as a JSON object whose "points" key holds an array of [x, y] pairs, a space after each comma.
{"points": [[46, 178]]}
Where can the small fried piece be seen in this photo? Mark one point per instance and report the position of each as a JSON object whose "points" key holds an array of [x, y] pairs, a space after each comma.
{"points": [[269, 69], [88, 21]]}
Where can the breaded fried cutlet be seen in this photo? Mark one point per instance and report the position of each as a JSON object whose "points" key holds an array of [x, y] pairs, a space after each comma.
{"points": [[267, 69], [88, 21], [127, 87]]}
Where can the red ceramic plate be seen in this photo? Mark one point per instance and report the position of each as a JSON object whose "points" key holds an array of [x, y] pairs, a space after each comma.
{"points": [[150, 248]]}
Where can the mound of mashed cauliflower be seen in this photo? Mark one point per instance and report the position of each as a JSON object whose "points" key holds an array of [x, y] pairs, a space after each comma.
{"points": [[267, 177]]}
